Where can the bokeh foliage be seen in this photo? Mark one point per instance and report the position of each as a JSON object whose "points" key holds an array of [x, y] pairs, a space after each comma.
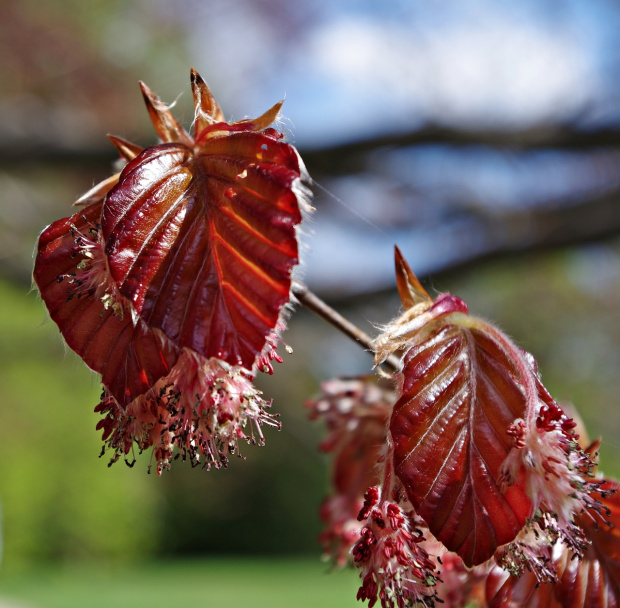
{"points": [[58, 499]]}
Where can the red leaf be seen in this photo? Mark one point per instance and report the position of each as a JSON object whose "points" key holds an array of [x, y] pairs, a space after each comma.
{"points": [[129, 357], [202, 242], [464, 384], [172, 279], [479, 444], [195, 243], [525, 591], [460, 395]]}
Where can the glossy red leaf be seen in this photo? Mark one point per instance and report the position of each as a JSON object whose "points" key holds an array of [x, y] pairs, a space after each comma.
{"points": [[195, 244], [505, 591], [129, 356], [202, 241], [460, 395], [480, 445], [464, 384]]}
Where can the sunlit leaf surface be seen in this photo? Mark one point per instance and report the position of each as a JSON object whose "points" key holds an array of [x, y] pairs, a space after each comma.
{"points": [[203, 242], [191, 246], [460, 395]]}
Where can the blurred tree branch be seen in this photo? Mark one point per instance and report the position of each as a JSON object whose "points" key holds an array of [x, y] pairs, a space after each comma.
{"points": [[349, 157], [346, 157], [591, 214]]}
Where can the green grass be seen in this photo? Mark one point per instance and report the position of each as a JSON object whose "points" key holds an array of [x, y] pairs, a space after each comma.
{"points": [[201, 583]]}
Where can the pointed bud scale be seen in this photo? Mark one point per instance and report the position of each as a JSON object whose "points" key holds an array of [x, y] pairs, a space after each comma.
{"points": [[97, 192], [409, 287], [264, 120], [165, 124], [186, 255], [206, 109], [125, 148]]}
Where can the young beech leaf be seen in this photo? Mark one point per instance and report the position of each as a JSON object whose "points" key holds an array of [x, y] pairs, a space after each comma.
{"points": [[481, 447], [463, 386], [460, 395], [172, 279], [200, 235], [589, 582], [191, 246], [202, 241]]}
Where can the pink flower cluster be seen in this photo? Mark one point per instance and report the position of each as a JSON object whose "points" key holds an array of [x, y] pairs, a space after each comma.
{"points": [[356, 413], [203, 408], [394, 566], [559, 480]]}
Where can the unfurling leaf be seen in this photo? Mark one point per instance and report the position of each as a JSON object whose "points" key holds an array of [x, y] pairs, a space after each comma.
{"points": [[185, 256], [460, 395], [96, 322], [476, 436], [203, 242]]}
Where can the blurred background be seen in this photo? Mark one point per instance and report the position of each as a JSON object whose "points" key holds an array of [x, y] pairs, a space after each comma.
{"points": [[482, 137]]}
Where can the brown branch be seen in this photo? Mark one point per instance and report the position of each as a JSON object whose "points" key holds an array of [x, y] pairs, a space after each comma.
{"points": [[320, 308]]}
